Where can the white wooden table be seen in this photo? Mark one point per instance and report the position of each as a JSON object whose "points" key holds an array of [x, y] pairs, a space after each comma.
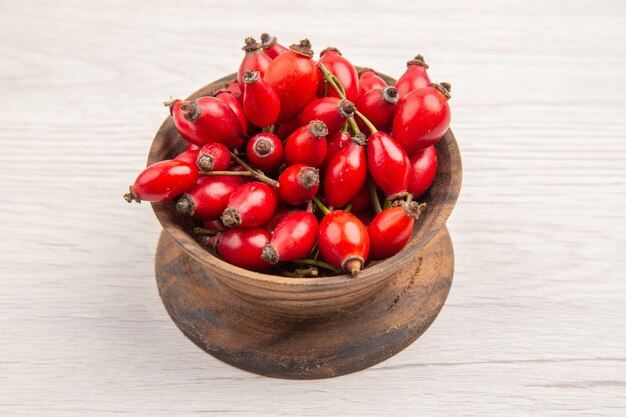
{"points": [[535, 322]]}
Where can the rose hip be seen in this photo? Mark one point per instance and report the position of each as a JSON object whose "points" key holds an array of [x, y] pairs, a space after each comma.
{"points": [[280, 213], [214, 225], [378, 106], [243, 247], [391, 229], [236, 91], [298, 184], [388, 164], [335, 143], [265, 151], [369, 80], [422, 117], [208, 198], [293, 238], [188, 156], [260, 102], [346, 173], [271, 47], [254, 59], [333, 111], [213, 157], [307, 145], [343, 241], [341, 68], [423, 170], [231, 101], [250, 205], [415, 76], [162, 182]]}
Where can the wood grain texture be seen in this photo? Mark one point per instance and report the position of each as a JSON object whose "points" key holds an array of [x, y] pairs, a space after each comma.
{"points": [[535, 323]]}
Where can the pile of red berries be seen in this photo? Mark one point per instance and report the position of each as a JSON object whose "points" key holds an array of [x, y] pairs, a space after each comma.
{"points": [[288, 165]]}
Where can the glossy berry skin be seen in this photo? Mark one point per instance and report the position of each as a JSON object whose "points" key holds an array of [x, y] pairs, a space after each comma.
{"points": [[369, 80], [361, 201], [254, 59], [293, 75], [163, 181], [192, 147], [345, 174], [298, 184], [388, 164], [423, 170], [378, 106], [271, 47], [260, 102], [422, 117], [265, 151], [205, 120], [287, 128], [341, 68], [343, 241], [335, 143], [415, 76], [307, 145], [213, 157], [214, 225], [250, 205], [243, 247], [333, 111], [391, 230], [189, 156], [280, 213], [231, 101], [294, 237], [235, 89], [208, 198]]}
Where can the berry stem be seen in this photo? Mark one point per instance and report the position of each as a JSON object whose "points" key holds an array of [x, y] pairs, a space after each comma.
{"points": [[321, 205], [387, 204], [256, 174], [353, 126], [348, 208], [321, 264], [369, 124], [242, 173], [203, 231], [373, 196]]}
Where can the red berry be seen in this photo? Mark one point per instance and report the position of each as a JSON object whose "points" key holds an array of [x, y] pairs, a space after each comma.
{"points": [[333, 111], [361, 201], [343, 241], [287, 128], [341, 68], [231, 101], [236, 91], [205, 120], [188, 156], [214, 225], [280, 213], [213, 157], [307, 145], [162, 181], [254, 59], [208, 198], [243, 247], [335, 143], [423, 170], [271, 47], [298, 184], [250, 205], [422, 117], [265, 151], [369, 80], [378, 106], [260, 101], [388, 164], [391, 229], [192, 147], [293, 238], [294, 77], [235, 143], [414, 78], [346, 173]]}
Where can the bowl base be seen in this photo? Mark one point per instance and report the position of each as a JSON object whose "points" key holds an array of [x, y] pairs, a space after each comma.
{"points": [[242, 335]]}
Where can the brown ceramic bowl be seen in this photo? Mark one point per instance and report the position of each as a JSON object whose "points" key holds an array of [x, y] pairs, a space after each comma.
{"points": [[310, 297]]}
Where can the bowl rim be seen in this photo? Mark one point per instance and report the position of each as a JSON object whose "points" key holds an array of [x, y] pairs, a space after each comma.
{"points": [[194, 248]]}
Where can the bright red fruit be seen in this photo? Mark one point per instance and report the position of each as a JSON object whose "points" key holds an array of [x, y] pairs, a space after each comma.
{"points": [[307, 145], [208, 198], [162, 181], [205, 120], [243, 247], [391, 229], [333, 111], [287, 128], [265, 151], [335, 143], [341, 68], [343, 241], [378, 106], [213, 157], [192, 147], [271, 47], [422, 117], [250, 205], [293, 238], [298, 184], [214, 225], [361, 201], [260, 101], [423, 170], [388, 164], [369, 80], [415, 76], [293, 75], [188, 156], [236, 91], [346, 173], [254, 59], [231, 101], [280, 213]]}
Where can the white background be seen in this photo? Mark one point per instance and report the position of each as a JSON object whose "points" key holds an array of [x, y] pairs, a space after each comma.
{"points": [[535, 321]]}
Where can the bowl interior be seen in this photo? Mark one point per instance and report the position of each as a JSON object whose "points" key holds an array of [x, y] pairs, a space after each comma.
{"points": [[441, 198]]}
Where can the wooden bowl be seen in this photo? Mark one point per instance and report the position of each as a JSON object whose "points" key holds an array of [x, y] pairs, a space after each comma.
{"points": [[306, 327]]}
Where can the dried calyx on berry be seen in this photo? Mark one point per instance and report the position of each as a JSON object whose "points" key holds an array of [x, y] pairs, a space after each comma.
{"points": [[360, 139], [317, 128], [267, 40], [390, 94], [353, 265], [346, 108], [231, 217], [251, 76], [309, 177], [414, 209], [330, 49], [444, 87], [251, 45], [270, 254], [418, 60], [302, 48]]}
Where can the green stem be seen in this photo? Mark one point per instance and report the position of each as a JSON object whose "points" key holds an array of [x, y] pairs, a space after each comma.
{"points": [[353, 126], [203, 231], [321, 205], [348, 208], [373, 196], [345, 127], [387, 204], [369, 124], [242, 173], [321, 264], [255, 173]]}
